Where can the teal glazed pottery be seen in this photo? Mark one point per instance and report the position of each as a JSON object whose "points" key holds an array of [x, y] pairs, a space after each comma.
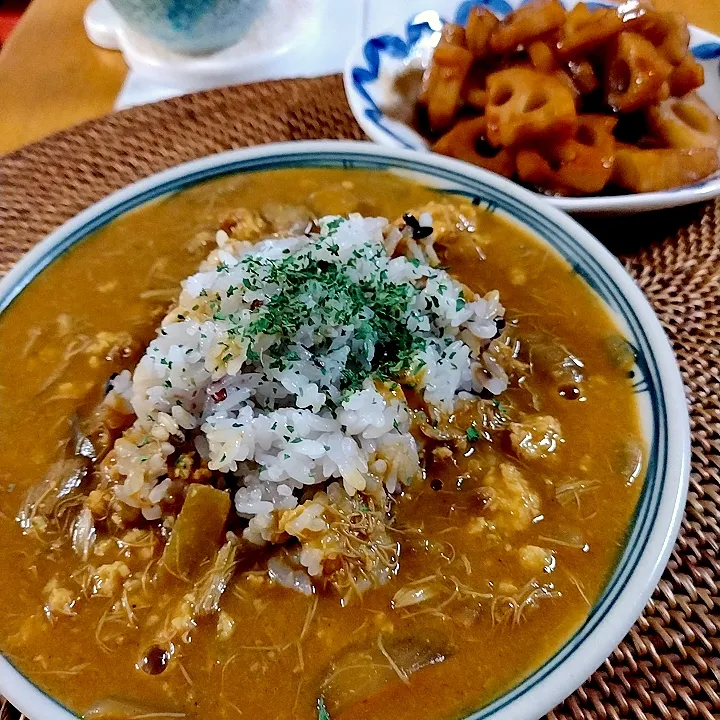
{"points": [[193, 27]]}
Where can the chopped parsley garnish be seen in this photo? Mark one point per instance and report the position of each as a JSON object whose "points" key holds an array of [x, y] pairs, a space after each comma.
{"points": [[323, 714], [319, 293], [472, 434]]}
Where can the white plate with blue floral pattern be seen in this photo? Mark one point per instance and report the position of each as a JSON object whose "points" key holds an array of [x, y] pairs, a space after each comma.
{"points": [[374, 66]]}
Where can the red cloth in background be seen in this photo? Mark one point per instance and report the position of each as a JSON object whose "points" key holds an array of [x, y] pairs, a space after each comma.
{"points": [[10, 12]]}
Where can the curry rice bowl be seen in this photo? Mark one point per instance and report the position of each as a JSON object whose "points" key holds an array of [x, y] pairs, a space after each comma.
{"points": [[283, 354], [353, 457]]}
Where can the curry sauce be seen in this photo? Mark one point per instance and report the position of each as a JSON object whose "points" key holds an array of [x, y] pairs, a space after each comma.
{"points": [[503, 548]]}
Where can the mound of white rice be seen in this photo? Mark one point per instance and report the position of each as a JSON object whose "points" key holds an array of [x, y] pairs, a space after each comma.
{"points": [[281, 360]]}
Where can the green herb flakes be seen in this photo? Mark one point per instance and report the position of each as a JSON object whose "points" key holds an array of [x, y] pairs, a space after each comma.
{"points": [[472, 434], [323, 714]]}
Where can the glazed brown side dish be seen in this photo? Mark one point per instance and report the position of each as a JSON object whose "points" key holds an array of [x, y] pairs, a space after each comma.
{"points": [[499, 550], [572, 102]]}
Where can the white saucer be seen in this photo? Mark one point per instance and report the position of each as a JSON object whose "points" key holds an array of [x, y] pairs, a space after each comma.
{"points": [[281, 27]]}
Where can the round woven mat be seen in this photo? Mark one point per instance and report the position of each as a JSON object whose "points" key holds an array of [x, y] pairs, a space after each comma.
{"points": [[669, 664]]}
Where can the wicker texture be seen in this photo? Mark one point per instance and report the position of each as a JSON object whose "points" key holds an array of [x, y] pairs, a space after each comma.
{"points": [[668, 667]]}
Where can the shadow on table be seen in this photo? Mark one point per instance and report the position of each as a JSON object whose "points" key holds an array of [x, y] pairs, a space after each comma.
{"points": [[628, 234]]}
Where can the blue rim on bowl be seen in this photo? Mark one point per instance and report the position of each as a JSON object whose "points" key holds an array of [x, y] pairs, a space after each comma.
{"points": [[373, 64], [659, 389]]}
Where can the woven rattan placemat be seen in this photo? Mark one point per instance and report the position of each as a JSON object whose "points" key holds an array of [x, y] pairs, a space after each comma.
{"points": [[669, 664]]}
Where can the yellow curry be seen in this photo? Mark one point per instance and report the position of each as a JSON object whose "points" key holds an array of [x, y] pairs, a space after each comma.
{"points": [[195, 593]]}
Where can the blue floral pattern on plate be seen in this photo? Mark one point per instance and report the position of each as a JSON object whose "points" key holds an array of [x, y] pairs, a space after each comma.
{"points": [[707, 51]]}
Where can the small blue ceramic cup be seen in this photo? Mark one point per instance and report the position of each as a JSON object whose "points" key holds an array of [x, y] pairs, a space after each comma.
{"points": [[190, 26]]}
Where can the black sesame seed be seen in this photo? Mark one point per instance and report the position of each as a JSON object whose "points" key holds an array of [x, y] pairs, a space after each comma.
{"points": [[109, 383], [436, 485], [422, 232], [419, 232], [411, 221], [499, 327]]}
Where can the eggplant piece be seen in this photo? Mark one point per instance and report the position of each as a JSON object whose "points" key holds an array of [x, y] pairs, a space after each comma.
{"points": [[550, 359], [65, 479], [361, 671], [116, 709], [236, 552], [202, 603], [557, 362], [71, 475]]}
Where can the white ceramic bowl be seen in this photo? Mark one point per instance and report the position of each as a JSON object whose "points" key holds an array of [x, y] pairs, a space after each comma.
{"points": [[658, 386], [374, 64]]}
